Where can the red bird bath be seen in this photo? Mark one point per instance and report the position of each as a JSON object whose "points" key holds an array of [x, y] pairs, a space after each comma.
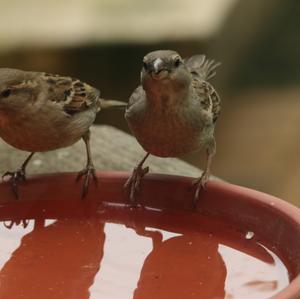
{"points": [[238, 244]]}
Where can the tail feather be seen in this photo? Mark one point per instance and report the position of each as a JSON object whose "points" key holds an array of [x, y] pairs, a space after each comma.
{"points": [[107, 103], [201, 66]]}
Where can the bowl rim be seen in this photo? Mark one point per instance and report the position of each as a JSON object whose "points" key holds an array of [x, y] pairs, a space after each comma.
{"points": [[292, 291]]}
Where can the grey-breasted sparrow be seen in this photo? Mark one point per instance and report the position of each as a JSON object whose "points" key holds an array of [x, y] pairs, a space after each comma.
{"points": [[42, 112], [173, 111]]}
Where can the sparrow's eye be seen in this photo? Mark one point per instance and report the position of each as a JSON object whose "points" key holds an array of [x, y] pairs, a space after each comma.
{"points": [[6, 93], [177, 62], [145, 65]]}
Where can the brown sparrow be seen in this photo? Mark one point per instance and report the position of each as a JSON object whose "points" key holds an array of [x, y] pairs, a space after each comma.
{"points": [[42, 112], [173, 111]]}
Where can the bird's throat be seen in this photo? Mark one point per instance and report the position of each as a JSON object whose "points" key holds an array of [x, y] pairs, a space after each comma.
{"points": [[164, 97]]}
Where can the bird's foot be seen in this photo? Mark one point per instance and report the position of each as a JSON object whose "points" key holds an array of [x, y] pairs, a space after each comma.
{"points": [[87, 173], [134, 182], [199, 184], [14, 177], [9, 225]]}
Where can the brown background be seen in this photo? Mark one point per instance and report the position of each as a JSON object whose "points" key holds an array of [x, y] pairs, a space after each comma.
{"points": [[258, 43]]}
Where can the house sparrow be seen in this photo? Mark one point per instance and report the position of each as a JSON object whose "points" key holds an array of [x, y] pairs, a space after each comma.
{"points": [[42, 112], [173, 111]]}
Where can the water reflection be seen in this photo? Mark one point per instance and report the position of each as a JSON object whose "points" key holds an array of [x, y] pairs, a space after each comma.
{"points": [[11, 223], [55, 261], [262, 273], [123, 253], [180, 261]]}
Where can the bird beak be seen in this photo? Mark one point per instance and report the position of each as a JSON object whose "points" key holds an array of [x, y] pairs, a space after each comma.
{"points": [[157, 65], [159, 70]]}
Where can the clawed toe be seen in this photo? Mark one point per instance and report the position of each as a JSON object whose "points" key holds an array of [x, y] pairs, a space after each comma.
{"points": [[14, 178], [199, 184], [134, 182], [86, 173]]}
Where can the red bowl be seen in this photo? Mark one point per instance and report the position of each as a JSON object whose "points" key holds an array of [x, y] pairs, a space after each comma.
{"points": [[224, 210]]}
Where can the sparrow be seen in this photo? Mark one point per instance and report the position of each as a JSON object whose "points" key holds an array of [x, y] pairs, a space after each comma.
{"points": [[174, 111], [42, 112]]}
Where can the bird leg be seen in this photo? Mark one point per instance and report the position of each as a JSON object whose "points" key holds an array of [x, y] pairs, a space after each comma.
{"points": [[19, 175], [134, 181], [89, 170], [201, 182]]}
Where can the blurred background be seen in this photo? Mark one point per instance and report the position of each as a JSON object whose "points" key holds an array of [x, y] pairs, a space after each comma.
{"points": [[258, 43]]}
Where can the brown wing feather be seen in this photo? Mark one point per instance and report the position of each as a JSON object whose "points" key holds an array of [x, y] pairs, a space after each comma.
{"points": [[209, 98], [73, 95], [216, 104]]}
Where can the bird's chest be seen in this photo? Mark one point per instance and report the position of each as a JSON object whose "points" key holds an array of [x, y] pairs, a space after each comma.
{"points": [[41, 132], [31, 135], [22, 134], [166, 132]]}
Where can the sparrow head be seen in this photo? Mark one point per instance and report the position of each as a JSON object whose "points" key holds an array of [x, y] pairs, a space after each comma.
{"points": [[17, 89], [164, 67]]}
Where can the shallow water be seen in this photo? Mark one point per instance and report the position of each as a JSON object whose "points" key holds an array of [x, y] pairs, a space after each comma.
{"points": [[128, 253]]}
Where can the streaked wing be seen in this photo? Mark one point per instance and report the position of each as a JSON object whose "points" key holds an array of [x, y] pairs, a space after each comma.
{"points": [[73, 95], [208, 97]]}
